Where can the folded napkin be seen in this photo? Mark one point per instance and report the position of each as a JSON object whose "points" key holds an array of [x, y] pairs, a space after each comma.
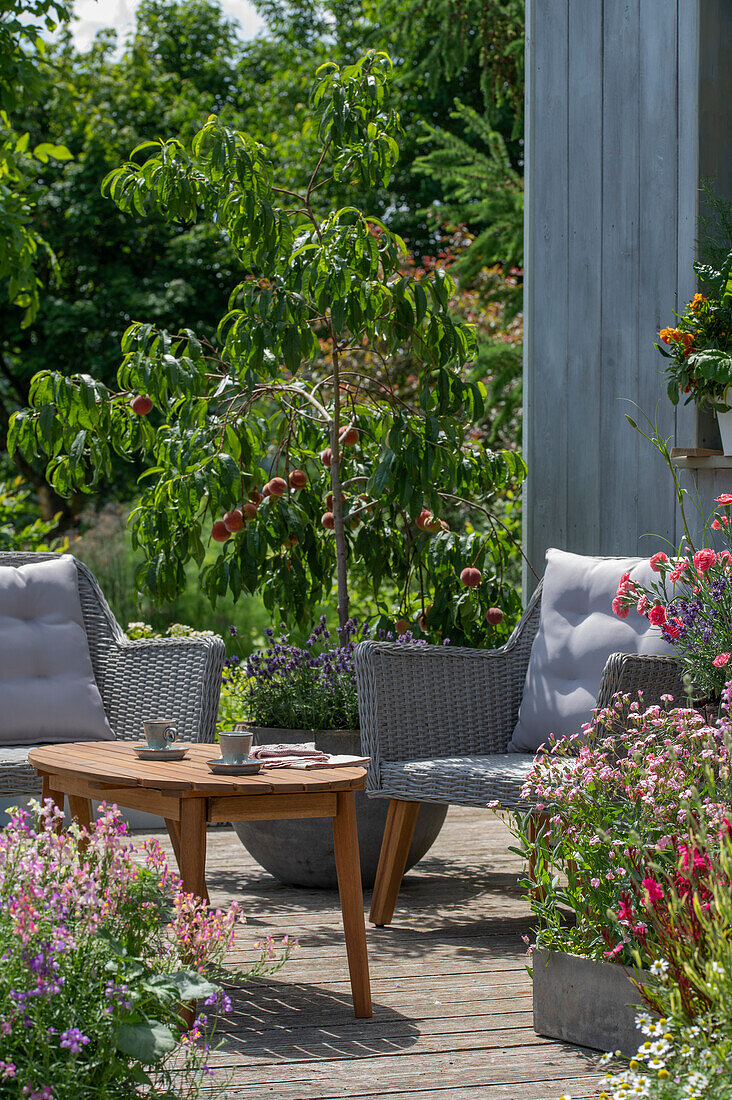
{"points": [[304, 756]]}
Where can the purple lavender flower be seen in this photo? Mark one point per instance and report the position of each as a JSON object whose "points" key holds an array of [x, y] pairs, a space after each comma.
{"points": [[73, 1040]]}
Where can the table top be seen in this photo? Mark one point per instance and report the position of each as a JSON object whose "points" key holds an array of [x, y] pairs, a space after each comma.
{"points": [[114, 764]]}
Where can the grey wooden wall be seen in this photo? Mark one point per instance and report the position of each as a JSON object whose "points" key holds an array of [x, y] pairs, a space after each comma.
{"points": [[628, 107]]}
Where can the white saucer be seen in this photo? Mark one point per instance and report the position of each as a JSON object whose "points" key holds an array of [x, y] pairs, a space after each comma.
{"points": [[250, 767], [144, 753]]}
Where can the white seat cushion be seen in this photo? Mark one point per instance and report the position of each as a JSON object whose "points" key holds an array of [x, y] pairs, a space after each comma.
{"points": [[47, 688], [577, 633], [462, 780]]}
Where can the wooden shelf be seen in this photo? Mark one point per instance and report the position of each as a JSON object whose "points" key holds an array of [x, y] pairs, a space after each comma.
{"points": [[696, 458]]}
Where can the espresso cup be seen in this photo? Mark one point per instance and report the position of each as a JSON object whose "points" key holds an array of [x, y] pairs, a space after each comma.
{"points": [[235, 747], [159, 734]]}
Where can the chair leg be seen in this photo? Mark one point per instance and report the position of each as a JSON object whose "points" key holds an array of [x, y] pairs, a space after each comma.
{"points": [[400, 822]]}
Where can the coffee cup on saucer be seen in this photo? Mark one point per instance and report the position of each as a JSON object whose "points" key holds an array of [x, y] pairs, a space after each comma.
{"points": [[235, 747], [159, 734]]}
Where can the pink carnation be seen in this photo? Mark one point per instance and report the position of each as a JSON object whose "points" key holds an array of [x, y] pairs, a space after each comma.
{"points": [[657, 560], [721, 660], [724, 498], [642, 605], [678, 570], [704, 559], [657, 615], [716, 525], [620, 609], [670, 630]]}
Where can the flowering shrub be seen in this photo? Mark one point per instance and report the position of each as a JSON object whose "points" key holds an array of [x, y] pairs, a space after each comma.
{"points": [[691, 604], [311, 687], [699, 348], [688, 1049], [98, 954], [615, 803], [141, 631]]}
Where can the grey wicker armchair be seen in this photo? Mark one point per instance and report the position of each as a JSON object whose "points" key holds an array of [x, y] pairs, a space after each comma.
{"points": [[436, 722], [178, 678]]}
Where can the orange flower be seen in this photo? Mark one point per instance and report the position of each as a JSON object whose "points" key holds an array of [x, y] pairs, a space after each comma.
{"points": [[687, 339], [667, 335], [696, 302]]}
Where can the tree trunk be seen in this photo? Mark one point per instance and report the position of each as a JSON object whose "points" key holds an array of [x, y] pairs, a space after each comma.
{"points": [[335, 484]]}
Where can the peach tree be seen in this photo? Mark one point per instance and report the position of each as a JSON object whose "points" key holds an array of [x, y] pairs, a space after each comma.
{"points": [[286, 445]]}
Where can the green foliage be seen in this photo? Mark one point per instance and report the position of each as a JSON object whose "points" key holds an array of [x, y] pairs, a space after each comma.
{"points": [[483, 187], [23, 77], [271, 391], [20, 526]]}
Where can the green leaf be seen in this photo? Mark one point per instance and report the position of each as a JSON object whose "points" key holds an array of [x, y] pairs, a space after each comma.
{"points": [[45, 150], [145, 1042]]}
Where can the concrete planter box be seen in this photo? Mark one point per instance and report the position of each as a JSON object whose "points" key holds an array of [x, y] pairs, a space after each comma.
{"points": [[585, 1002], [300, 853]]}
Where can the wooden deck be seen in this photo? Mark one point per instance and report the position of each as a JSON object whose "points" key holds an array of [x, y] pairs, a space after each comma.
{"points": [[452, 1000]]}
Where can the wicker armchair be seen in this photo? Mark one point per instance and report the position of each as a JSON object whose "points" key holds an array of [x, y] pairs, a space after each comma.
{"points": [[176, 678], [436, 722]]}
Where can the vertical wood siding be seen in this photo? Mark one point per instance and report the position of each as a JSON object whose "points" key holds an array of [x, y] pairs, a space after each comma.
{"points": [[618, 121]]}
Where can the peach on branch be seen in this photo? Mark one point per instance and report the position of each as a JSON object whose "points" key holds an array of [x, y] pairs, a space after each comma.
{"points": [[234, 520], [329, 501], [255, 496], [298, 479], [220, 532], [348, 435], [277, 487], [290, 541], [141, 404], [328, 521], [250, 510], [471, 577], [326, 457], [494, 616], [402, 626]]}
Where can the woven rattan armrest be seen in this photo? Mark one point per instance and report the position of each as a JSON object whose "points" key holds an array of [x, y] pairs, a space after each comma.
{"points": [[629, 673], [169, 679]]}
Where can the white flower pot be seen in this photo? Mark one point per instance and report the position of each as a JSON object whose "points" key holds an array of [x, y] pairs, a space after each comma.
{"points": [[725, 425]]}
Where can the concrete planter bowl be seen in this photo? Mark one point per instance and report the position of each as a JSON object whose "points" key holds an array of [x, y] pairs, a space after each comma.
{"points": [[589, 1003], [300, 853]]}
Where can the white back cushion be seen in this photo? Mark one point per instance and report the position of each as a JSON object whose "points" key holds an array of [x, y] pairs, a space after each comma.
{"points": [[47, 687], [577, 633]]}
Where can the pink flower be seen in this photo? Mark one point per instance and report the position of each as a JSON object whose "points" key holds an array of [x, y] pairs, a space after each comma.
{"points": [[620, 609], [594, 882], [704, 559], [721, 660], [678, 570], [724, 498], [657, 615], [653, 891], [642, 605], [716, 525], [613, 951], [670, 631], [625, 912], [657, 561]]}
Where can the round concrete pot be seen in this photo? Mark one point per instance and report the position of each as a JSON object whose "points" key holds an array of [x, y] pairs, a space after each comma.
{"points": [[300, 852]]}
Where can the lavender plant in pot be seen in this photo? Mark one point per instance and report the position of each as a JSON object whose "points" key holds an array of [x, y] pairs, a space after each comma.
{"points": [[291, 694]]}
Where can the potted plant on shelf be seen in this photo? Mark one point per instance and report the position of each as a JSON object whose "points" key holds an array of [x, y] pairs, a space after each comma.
{"points": [[698, 349], [614, 800], [291, 694]]}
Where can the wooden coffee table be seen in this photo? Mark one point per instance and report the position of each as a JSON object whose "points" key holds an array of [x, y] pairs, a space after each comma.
{"points": [[187, 795]]}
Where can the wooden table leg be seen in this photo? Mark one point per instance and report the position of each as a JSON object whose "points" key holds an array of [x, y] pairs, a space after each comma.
{"points": [[348, 868], [173, 828], [80, 809], [192, 859], [398, 833]]}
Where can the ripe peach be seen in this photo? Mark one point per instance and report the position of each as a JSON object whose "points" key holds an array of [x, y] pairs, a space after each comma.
{"points": [[250, 510], [298, 479], [402, 626], [328, 521], [277, 486], [290, 541], [329, 501], [494, 616], [255, 496], [141, 404], [423, 517], [219, 531], [234, 520], [348, 435], [471, 578], [326, 457]]}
